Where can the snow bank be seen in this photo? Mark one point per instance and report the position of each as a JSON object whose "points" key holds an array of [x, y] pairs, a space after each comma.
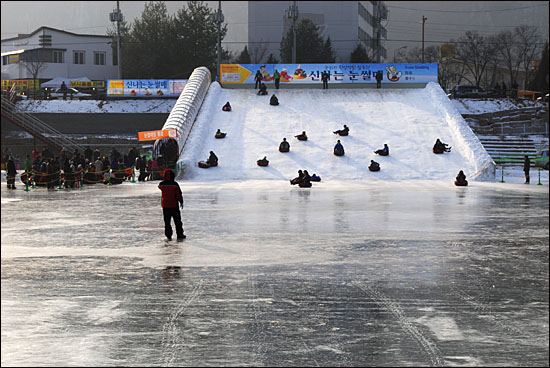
{"points": [[163, 106], [408, 120]]}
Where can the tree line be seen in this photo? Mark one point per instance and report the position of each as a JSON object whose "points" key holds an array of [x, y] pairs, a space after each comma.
{"points": [[159, 45]]}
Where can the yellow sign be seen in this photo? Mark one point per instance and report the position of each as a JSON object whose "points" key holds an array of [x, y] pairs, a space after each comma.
{"points": [[157, 134], [21, 84], [233, 73], [116, 87], [97, 84]]}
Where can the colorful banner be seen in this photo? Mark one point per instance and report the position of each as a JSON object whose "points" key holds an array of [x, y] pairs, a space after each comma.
{"points": [[149, 88], [338, 73], [157, 134], [90, 84], [21, 84]]}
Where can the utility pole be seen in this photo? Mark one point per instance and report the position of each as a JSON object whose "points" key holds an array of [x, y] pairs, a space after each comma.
{"points": [[116, 16], [292, 14], [423, 21], [377, 17], [219, 19]]}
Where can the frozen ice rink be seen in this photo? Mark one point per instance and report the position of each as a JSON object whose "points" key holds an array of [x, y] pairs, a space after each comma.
{"points": [[413, 273]]}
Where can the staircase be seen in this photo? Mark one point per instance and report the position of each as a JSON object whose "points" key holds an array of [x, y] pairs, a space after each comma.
{"points": [[38, 128], [509, 151]]}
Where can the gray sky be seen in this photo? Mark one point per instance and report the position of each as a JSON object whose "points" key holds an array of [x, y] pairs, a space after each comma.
{"points": [[446, 19]]}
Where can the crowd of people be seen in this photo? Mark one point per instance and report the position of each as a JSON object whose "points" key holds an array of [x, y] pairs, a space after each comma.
{"points": [[70, 170]]}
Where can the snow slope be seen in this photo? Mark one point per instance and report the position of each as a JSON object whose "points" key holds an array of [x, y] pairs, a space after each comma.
{"points": [[408, 120]]}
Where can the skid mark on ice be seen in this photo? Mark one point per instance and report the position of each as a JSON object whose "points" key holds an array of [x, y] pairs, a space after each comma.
{"points": [[171, 339], [257, 338], [429, 347]]}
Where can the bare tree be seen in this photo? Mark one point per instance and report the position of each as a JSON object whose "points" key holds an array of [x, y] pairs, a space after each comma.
{"points": [[528, 42], [508, 54], [34, 61], [475, 52], [257, 51]]}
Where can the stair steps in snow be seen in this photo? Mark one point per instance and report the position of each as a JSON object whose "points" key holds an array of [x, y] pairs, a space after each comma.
{"points": [[509, 151]]}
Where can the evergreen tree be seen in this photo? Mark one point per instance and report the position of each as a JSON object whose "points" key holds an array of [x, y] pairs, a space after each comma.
{"points": [[327, 53], [359, 55], [540, 79], [309, 44], [244, 57]]}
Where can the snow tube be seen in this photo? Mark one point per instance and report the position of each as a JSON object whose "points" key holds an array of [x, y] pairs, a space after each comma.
{"points": [[343, 133], [438, 151], [338, 153], [226, 108], [315, 178], [374, 168], [304, 185], [294, 181], [262, 162], [301, 138], [219, 136], [204, 165], [383, 153], [461, 184], [284, 149]]}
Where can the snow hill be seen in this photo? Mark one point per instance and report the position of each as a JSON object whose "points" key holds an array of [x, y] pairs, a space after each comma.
{"points": [[408, 120]]}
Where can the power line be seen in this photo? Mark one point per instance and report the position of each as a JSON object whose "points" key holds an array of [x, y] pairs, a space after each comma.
{"points": [[467, 11]]}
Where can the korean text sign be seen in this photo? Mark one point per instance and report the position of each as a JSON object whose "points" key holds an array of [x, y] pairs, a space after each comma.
{"points": [[338, 73], [157, 134], [149, 88]]}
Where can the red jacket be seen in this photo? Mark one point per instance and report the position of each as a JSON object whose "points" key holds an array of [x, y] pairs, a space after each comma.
{"points": [[171, 192]]}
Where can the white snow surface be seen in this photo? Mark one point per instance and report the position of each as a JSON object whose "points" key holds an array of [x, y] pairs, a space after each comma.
{"points": [[97, 107], [477, 106], [408, 120]]}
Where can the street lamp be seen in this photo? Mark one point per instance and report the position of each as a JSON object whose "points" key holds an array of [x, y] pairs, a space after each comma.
{"points": [[402, 47]]}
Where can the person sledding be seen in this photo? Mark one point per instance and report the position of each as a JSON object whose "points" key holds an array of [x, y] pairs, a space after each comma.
{"points": [[339, 149], [306, 180], [220, 134], [440, 147], [263, 161], [226, 107], [315, 177], [273, 101], [374, 166], [461, 179], [263, 90], [284, 146], [342, 132], [384, 151], [212, 161], [302, 137], [298, 179]]}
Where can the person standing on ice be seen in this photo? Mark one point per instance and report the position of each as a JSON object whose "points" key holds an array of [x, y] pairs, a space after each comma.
{"points": [[324, 78], [171, 196], [276, 78], [257, 79], [379, 79], [526, 167]]}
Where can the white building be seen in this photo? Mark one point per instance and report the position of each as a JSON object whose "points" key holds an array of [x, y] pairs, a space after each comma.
{"points": [[57, 53], [346, 22]]}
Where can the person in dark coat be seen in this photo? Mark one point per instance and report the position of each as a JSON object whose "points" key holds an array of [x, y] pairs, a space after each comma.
{"points": [[526, 167], [461, 178], [503, 90], [324, 79], [64, 90], [284, 146], [276, 78], [257, 79], [515, 88], [298, 179], [307, 178], [226, 107], [374, 165], [212, 159], [263, 90], [273, 101], [10, 173], [171, 197], [441, 147], [338, 148], [384, 151], [344, 131], [379, 79]]}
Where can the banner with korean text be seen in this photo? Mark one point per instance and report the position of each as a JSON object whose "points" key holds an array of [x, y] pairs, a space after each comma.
{"points": [[393, 73], [147, 88], [157, 134]]}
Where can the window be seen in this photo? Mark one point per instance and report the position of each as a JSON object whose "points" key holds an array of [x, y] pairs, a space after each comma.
{"points": [[99, 58], [57, 57], [78, 57], [5, 60]]}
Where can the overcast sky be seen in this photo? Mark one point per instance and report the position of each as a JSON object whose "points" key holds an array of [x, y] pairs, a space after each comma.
{"points": [[445, 19]]}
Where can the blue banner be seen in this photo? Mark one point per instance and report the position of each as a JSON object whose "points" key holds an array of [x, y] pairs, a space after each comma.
{"points": [[151, 88], [393, 73]]}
